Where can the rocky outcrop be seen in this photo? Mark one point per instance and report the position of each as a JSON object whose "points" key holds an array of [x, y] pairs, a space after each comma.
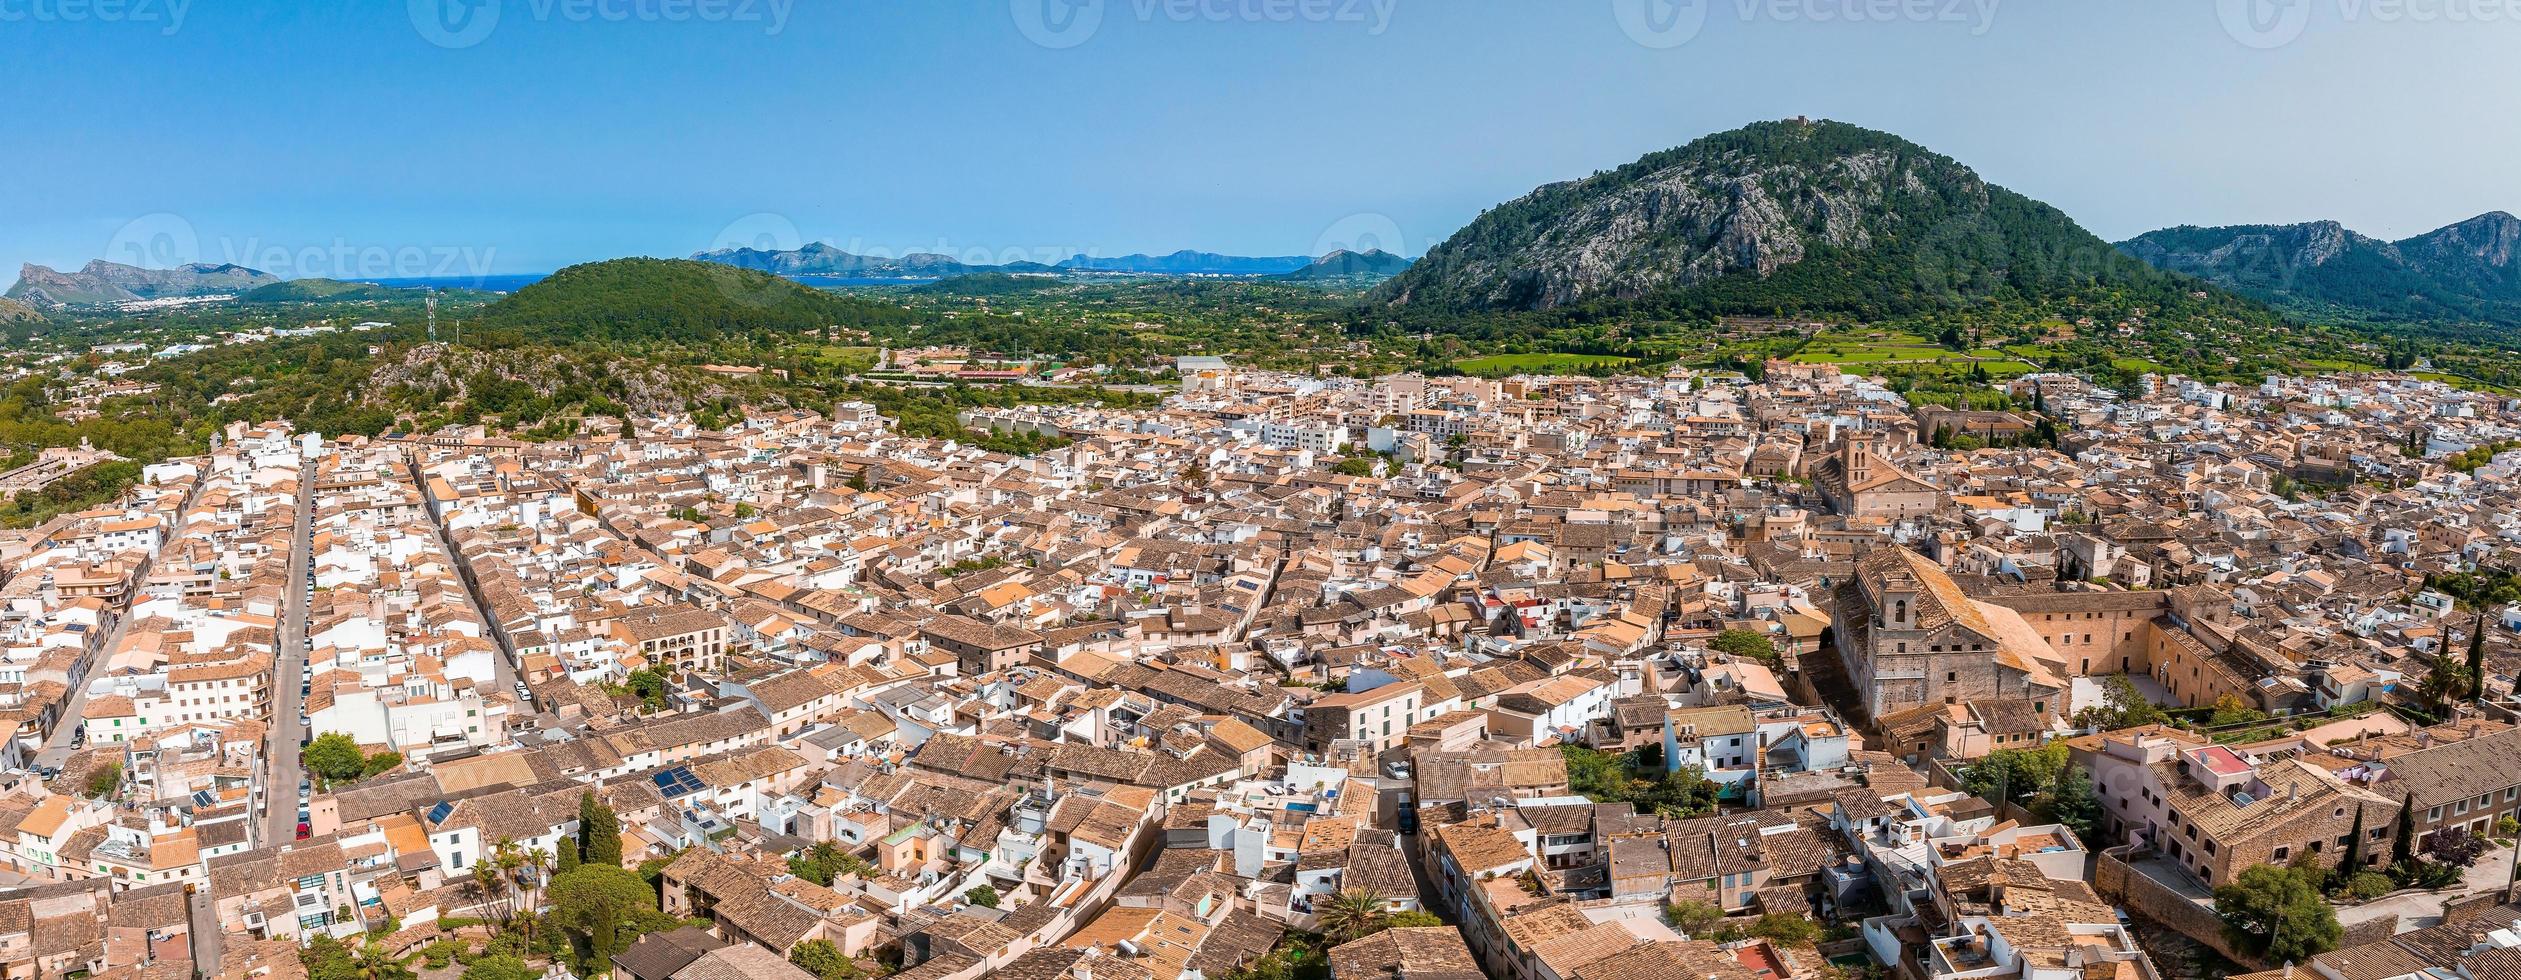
{"points": [[1859, 218]]}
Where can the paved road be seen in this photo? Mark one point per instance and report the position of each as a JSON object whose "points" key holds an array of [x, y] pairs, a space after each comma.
{"points": [[280, 779], [74, 708]]}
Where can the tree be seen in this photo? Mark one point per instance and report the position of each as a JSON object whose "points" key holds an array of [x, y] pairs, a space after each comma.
{"points": [[2403, 848], [2445, 683], [106, 780], [501, 966], [822, 959], [1744, 644], [1682, 793], [2074, 804], [2017, 774], [599, 833], [537, 874], [1787, 930], [335, 757], [2231, 710], [2122, 706], [372, 962], [984, 896], [325, 958], [2477, 657], [2351, 862], [1412, 919], [2278, 913], [2455, 846], [825, 861], [649, 686], [595, 904], [1693, 916], [1352, 914]]}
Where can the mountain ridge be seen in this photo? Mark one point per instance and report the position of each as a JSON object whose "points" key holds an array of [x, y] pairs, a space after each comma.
{"points": [[2467, 271], [103, 283], [825, 259]]}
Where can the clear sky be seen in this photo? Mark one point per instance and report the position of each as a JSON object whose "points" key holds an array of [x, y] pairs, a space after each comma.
{"points": [[376, 137]]}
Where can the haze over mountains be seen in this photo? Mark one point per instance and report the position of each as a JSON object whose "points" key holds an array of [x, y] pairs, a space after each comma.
{"points": [[2466, 272], [821, 259], [102, 283]]}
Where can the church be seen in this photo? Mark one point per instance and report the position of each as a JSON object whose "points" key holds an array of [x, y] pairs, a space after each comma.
{"points": [[1867, 488], [1910, 637]]}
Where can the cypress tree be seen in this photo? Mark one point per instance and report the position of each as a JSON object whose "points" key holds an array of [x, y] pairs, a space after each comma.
{"points": [[599, 832], [2403, 849], [2477, 659], [2352, 861]]}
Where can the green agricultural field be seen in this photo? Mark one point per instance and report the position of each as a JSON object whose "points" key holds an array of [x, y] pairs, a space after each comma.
{"points": [[1501, 365], [1901, 353]]}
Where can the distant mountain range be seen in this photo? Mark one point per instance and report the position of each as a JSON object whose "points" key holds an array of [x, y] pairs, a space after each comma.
{"points": [[1791, 215], [1372, 263], [1190, 263], [2467, 272], [819, 259], [102, 283]]}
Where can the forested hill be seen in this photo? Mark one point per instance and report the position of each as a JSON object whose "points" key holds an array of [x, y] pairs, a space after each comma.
{"points": [[1816, 217], [676, 300]]}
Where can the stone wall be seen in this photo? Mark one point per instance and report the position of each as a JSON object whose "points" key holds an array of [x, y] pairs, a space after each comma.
{"points": [[2144, 897]]}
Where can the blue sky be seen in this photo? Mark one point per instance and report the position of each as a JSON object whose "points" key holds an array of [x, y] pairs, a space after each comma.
{"points": [[365, 135]]}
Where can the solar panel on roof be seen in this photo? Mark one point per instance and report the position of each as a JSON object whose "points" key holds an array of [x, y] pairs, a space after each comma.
{"points": [[439, 813], [678, 781]]}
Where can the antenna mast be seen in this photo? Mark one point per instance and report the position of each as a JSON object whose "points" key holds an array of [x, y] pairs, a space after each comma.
{"points": [[433, 314]]}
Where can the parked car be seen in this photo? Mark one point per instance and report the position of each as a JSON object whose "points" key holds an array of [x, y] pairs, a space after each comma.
{"points": [[305, 830]]}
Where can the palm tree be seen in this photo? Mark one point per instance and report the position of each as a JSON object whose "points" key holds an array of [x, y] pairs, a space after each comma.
{"points": [[2444, 685], [1352, 914], [485, 884], [537, 864], [373, 963], [505, 858]]}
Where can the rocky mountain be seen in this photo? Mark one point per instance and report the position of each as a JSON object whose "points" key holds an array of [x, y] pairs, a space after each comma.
{"points": [[12, 311], [102, 283], [2466, 272], [1792, 215], [1344, 264]]}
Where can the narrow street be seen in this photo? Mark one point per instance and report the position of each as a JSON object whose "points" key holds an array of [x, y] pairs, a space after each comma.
{"points": [[281, 771], [74, 705], [208, 936]]}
